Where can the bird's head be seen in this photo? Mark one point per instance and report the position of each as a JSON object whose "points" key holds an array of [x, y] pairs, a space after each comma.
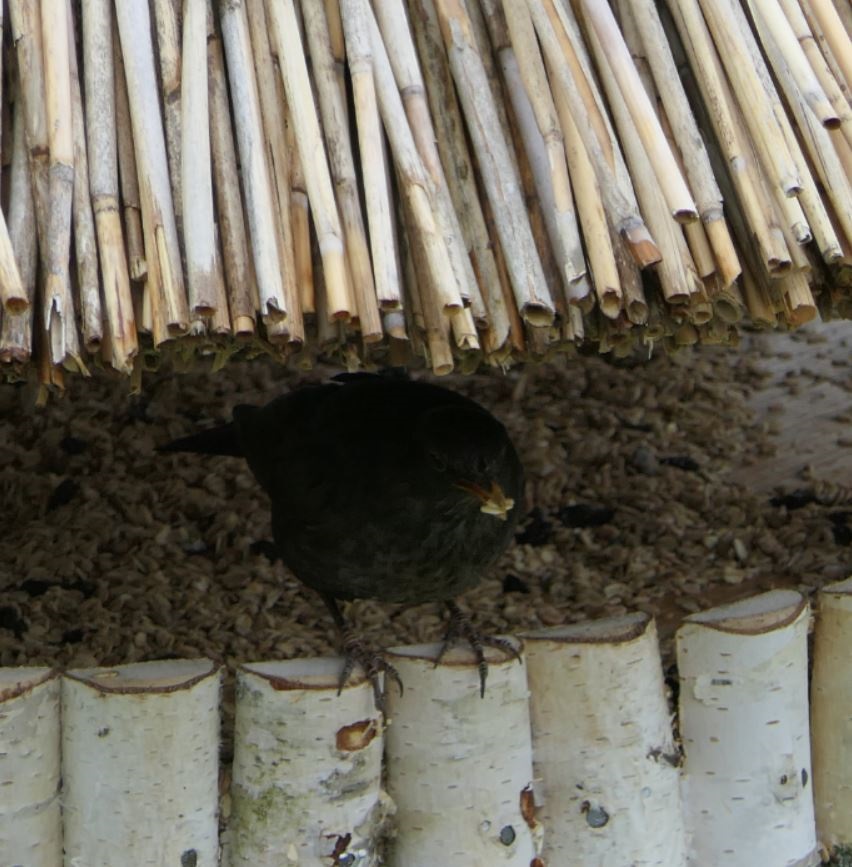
{"points": [[471, 452]]}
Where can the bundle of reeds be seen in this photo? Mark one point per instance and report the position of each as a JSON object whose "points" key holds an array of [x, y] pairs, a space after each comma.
{"points": [[408, 181]]}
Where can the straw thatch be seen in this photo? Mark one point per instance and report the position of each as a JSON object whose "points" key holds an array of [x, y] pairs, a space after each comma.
{"points": [[439, 182]]}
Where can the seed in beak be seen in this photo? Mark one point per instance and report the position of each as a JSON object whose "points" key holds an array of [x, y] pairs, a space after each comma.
{"points": [[494, 501]]}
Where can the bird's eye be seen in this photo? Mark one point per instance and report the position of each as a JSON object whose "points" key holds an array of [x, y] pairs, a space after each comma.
{"points": [[439, 461]]}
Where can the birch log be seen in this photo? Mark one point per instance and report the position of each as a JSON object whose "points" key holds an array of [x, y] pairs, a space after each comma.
{"points": [[306, 786], [140, 749], [30, 823], [459, 767], [604, 755], [831, 715], [744, 722]]}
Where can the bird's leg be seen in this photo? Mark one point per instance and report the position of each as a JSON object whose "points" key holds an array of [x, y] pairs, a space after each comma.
{"points": [[460, 628], [356, 651]]}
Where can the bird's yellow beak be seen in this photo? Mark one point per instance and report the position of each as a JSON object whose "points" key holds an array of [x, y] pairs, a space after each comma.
{"points": [[494, 501]]}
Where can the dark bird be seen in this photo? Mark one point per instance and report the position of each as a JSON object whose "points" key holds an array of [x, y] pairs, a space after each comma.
{"points": [[382, 488]]}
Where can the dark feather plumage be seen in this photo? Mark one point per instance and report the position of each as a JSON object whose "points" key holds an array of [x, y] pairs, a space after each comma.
{"points": [[381, 488]]}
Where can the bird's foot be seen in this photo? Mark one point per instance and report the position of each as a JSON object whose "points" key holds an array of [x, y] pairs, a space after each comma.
{"points": [[356, 651], [461, 629]]}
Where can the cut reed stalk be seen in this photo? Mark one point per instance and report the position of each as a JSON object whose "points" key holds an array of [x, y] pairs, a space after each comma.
{"points": [[202, 258], [279, 157], [85, 241], [239, 276], [373, 164], [660, 158], [700, 249], [27, 38], [287, 43], [412, 176], [16, 333], [167, 25], [165, 273], [630, 278], [526, 81], [396, 35], [337, 43], [253, 162], [676, 270], [753, 87], [430, 314], [342, 165], [13, 295], [300, 216], [773, 23], [739, 160], [835, 34], [128, 176], [757, 299], [552, 272], [590, 207], [464, 329], [103, 186], [220, 322], [460, 172], [570, 80], [658, 52], [825, 76], [58, 304], [496, 166], [833, 175], [728, 304]]}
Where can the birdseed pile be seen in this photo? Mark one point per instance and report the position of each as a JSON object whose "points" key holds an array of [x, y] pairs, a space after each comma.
{"points": [[112, 553]]}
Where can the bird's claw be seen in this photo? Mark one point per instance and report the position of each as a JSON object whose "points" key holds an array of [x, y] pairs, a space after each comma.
{"points": [[461, 629], [356, 651]]}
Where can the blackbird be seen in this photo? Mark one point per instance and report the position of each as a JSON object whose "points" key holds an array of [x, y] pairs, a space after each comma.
{"points": [[382, 488]]}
